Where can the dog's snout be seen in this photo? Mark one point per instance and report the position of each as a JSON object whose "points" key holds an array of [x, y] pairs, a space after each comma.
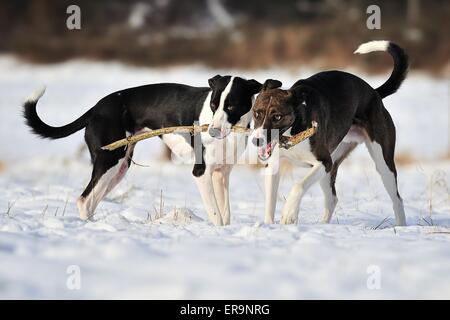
{"points": [[213, 132], [258, 141]]}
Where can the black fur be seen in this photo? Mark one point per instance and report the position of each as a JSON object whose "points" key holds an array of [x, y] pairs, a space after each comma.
{"points": [[239, 100], [44, 130], [335, 100], [271, 84], [153, 106], [401, 66]]}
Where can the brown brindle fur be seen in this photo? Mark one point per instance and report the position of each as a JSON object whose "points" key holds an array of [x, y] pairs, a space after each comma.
{"points": [[270, 103]]}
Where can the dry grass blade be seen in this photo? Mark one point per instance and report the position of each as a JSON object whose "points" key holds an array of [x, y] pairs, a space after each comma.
{"points": [[10, 206], [287, 142], [439, 232], [381, 223]]}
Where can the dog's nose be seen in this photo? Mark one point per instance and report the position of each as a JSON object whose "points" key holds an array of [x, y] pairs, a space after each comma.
{"points": [[258, 141], [213, 132]]}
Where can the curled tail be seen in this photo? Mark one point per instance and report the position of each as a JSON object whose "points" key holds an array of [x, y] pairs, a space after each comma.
{"points": [[401, 64], [44, 130]]}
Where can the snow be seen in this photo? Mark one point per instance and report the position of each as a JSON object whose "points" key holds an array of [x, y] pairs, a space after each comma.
{"points": [[140, 248]]}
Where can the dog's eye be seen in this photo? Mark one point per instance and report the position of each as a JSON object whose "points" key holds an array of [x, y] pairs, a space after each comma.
{"points": [[230, 108], [213, 106], [257, 115], [277, 117]]}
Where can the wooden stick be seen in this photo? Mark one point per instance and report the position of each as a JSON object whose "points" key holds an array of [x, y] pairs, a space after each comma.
{"points": [[287, 143]]}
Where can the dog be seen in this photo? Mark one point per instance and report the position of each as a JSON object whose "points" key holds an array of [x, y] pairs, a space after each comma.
{"points": [[348, 112], [226, 102]]}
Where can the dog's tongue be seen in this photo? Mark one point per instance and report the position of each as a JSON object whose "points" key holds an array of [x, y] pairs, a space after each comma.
{"points": [[264, 152]]}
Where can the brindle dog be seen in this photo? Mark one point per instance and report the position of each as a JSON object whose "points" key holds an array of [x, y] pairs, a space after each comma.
{"points": [[348, 112]]}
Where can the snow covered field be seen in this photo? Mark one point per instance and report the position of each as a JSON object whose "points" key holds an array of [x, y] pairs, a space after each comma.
{"points": [[130, 252]]}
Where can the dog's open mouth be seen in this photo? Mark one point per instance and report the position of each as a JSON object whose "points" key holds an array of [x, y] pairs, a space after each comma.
{"points": [[264, 152]]}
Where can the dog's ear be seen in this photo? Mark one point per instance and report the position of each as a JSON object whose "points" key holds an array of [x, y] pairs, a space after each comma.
{"points": [[294, 94], [304, 95], [214, 80], [254, 86], [299, 95], [271, 84]]}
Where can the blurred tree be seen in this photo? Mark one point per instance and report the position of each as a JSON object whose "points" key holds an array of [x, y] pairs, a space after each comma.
{"points": [[223, 32]]}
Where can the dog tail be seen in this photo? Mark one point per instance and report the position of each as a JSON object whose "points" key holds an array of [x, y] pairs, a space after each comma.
{"points": [[401, 64], [44, 130]]}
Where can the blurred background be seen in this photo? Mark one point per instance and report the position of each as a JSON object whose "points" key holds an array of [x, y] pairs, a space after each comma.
{"points": [[226, 33]]}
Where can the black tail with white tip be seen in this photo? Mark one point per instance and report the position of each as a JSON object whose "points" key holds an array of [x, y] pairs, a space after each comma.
{"points": [[401, 64], [44, 130]]}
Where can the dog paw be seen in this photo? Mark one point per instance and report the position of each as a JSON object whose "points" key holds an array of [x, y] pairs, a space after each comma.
{"points": [[289, 213], [288, 220], [289, 217], [216, 219], [83, 210], [325, 219], [226, 221]]}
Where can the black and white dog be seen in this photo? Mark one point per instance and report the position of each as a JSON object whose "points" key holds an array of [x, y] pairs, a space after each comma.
{"points": [[225, 103], [348, 112]]}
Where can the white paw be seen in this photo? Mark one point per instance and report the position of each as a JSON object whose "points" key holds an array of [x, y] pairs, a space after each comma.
{"points": [[82, 209], [289, 215], [288, 220], [326, 218], [226, 220], [216, 219]]}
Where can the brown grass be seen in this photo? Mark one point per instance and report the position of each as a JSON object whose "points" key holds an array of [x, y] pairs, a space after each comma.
{"points": [[405, 159], [447, 156], [328, 44]]}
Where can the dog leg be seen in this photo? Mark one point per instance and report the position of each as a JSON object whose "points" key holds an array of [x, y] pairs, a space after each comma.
{"points": [[217, 180], [330, 198], [328, 182], [388, 173], [206, 189], [221, 181], [105, 176], [292, 205], [226, 195], [271, 183]]}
